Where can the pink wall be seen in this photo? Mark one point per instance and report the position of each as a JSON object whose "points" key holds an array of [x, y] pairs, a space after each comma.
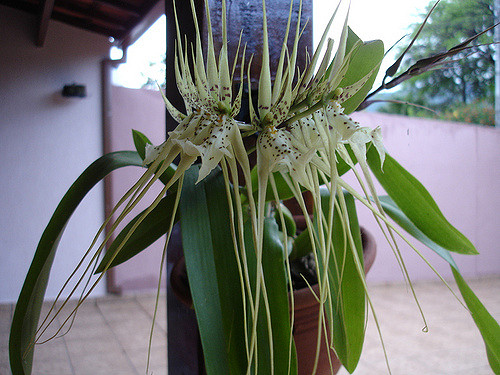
{"points": [[460, 166], [458, 163], [141, 110]]}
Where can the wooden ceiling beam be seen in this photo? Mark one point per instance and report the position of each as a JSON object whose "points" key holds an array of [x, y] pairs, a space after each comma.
{"points": [[152, 10], [93, 14], [104, 28], [124, 20], [123, 6], [46, 8]]}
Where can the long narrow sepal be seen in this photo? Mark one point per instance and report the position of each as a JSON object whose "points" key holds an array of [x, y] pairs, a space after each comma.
{"points": [[265, 91]]}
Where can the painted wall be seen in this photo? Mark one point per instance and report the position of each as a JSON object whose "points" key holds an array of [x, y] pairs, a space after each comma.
{"points": [[458, 163], [460, 166], [45, 141], [142, 110]]}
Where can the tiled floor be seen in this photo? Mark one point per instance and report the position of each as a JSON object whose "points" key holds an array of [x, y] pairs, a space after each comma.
{"points": [[452, 346], [110, 335]]}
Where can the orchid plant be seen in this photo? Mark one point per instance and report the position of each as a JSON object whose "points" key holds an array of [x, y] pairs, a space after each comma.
{"points": [[237, 237]]}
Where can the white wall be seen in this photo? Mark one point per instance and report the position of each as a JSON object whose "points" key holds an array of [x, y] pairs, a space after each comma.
{"points": [[45, 142]]}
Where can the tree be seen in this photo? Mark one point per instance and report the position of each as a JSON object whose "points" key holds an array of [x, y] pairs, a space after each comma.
{"points": [[468, 79], [154, 76]]}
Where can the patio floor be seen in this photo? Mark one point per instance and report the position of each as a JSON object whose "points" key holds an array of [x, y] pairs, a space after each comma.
{"points": [[110, 335]]}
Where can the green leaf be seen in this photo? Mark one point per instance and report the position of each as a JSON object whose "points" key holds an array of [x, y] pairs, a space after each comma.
{"points": [[140, 142], [487, 325], [273, 267], [215, 283], [347, 293], [393, 211], [417, 204], [342, 166], [153, 226], [290, 226], [281, 186], [301, 245], [228, 281], [212, 272], [27, 312], [365, 59]]}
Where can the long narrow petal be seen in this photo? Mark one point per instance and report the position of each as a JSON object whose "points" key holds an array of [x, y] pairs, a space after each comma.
{"points": [[265, 93]]}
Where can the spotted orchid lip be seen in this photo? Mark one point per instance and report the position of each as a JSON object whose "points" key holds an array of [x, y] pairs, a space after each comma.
{"points": [[302, 132]]}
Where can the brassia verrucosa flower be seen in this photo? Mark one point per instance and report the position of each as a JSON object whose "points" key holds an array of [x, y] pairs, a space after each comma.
{"points": [[236, 234]]}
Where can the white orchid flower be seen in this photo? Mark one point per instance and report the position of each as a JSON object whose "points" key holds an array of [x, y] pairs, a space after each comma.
{"points": [[301, 130], [208, 129], [300, 124]]}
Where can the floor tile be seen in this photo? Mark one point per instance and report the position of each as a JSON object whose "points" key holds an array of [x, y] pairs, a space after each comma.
{"points": [[110, 335]]}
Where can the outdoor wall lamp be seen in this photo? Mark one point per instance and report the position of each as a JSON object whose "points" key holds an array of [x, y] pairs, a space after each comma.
{"points": [[74, 91]]}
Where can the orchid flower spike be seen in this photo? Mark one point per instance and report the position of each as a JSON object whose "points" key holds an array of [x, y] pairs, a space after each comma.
{"points": [[208, 129]]}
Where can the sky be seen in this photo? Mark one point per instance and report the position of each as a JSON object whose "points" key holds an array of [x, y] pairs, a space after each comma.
{"points": [[387, 20]]}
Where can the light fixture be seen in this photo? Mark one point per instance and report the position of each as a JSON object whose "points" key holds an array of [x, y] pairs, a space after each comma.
{"points": [[74, 91]]}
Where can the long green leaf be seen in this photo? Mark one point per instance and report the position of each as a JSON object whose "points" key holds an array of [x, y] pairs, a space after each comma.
{"points": [[273, 268], [417, 204], [215, 283], [27, 312], [347, 293], [153, 226], [208, 250], [301, 245], [487, 325], [228, 281], [273, 264], [365, 59], [391, 209]]}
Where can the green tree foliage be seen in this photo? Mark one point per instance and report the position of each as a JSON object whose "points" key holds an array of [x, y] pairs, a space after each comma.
{"points": [[466, 82], [155, 74]]}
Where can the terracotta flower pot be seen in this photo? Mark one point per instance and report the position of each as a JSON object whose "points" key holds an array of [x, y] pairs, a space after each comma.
{"points": [[305, 327]]}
